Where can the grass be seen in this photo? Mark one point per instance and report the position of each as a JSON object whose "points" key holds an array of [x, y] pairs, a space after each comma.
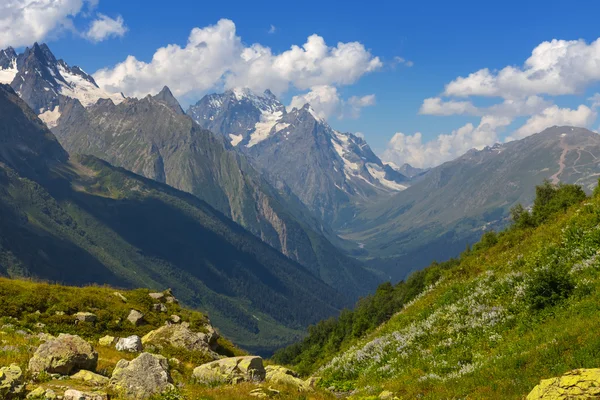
{"points": [[523, 309]]}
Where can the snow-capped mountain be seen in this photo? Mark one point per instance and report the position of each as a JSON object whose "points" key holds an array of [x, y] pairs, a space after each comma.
{"points": [[41, 80], [330, 171]]}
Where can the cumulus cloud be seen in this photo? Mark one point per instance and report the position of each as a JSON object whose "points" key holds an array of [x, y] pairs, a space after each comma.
{"points": [[326, 102], [510, 108], [582, 116], [411, 149], [105, 27], [558, 67], [215, 57], [23, 22]]}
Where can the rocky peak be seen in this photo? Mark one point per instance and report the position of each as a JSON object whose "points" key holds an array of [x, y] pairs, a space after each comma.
{"points": [[7, 58], [166, 97]]}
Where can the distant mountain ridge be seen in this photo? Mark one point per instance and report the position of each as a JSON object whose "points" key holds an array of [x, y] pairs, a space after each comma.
{"points": [[44, 82], [329, 171], [452, 204]]}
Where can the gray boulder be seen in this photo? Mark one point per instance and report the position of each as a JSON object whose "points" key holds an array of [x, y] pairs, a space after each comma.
{"points": [[11, 382], [135, 317], [73, 394], [63, 355], [231, 370], [132, 344], [146, 376]]}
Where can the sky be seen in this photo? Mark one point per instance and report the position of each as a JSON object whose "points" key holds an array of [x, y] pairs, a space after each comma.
{"points": [[424, 81]]}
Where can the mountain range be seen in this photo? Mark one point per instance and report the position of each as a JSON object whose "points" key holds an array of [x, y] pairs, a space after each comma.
{"points": [[331, 172]]}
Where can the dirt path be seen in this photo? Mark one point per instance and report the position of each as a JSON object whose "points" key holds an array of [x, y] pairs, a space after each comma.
{"points": [[561, 162]]}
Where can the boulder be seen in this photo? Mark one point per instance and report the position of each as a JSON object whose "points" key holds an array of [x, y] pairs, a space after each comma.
{"points": [[231, 370], [11, 382], [107, 340], [175, 319], [120, 296], [159, 307], [157, 296], [172, 300], [90, 377], [182, 337], [284, 376], [135, 317], [143, 377], [577, 384], [132, 344], [64, 354], [42, 394], [73, 394], [86, 317]]}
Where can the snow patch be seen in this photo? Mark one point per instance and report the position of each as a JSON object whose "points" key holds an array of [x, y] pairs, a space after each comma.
{"points": [[85, 91], [236, 139], [263, 128], [379, 174], [50, 118], [7, 75]]}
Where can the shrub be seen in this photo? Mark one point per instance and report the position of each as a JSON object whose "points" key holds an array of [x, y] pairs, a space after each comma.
{"points": [[548, 287]]}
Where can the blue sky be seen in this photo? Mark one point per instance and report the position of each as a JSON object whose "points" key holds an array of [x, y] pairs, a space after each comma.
{"points": [[442, 40]]}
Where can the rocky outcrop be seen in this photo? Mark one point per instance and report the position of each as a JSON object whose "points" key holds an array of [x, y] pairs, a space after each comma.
{"points": [[86, 317], [284, 376], [41, 393], [11, 382], [73, 394], [231, 370], [91, 378], [143, 377], [132, 344], [577, 384], [182, 337], [64, 355], [135, 317]]}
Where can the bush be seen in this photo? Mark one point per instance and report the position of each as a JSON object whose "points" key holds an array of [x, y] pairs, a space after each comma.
{"points": [[548, 287]]}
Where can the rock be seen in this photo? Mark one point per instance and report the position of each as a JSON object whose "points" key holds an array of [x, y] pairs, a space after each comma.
{"points": [[132, 344], [157, 296], [86, 317], [143, 377], [387, 395], [135, 317], [120, 296], [90, 377], [182, 337], [284, 376], [175, 319], [231, 370], [577, 384], [63, 355], [73, 394], [259, 393], [107, 340], [172, 300], [160, 307], [42, 394], [11, 382]]}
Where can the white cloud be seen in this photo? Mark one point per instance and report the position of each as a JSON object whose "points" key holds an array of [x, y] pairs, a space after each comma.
{"points": [[216, 58], [272, 29], [402, 61], [105, 27], [23, 22], [510, 108], [582, 116], [558, 67], [411, 149], [326, 102]]}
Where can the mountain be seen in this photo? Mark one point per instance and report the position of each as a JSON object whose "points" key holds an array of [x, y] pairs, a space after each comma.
{"points": [[407, 170], [451, 205], [329, 171], [81, 221], [519, 307], [44, 82], [154, 138]]}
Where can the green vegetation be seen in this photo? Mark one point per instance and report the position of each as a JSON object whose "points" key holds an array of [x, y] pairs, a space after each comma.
{"points": [[520, 306]]}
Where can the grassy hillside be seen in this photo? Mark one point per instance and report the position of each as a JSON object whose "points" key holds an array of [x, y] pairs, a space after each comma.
{"points": [[520, 306]]}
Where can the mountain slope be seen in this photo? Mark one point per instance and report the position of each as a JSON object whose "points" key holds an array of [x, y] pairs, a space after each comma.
{"points": [[152, 137], [84, 221], [328, 170], [44, 82], [451, 205], [519, 307]]}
